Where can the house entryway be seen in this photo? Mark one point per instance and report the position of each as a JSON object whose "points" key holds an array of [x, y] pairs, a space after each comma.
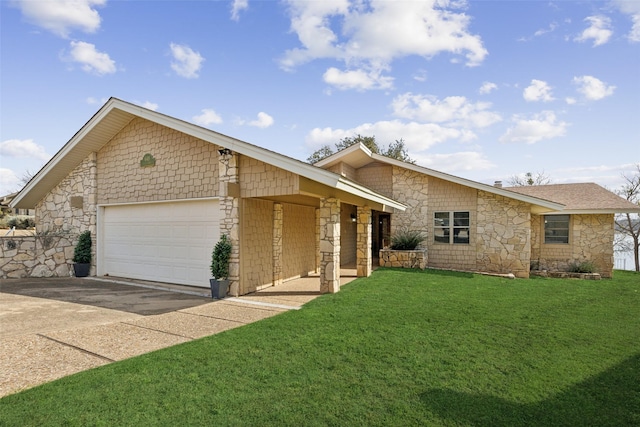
{"points": [[380, 232]]}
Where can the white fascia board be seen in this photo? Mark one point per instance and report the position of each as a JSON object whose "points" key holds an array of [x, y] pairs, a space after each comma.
{"points": [[335, 157], [366, 193], [594, 211], [292, 165], [65, 150], [244, 148], [472, 184]]}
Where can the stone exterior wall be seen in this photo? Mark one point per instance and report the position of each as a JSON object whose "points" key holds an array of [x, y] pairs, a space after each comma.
{"points": [[185, 167], [298, 240], [256, 245], [503, 241], [259, 179], [590, 239], [278, 259], [445, 196], [47, 255], [378, 177], [403, 259], [65, 212], [230, 215], [71, 206], [329, 245], [411, 189], [364, 258], [348, 232]]}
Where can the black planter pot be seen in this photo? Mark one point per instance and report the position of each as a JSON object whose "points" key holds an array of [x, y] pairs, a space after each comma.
{"points": [[81, 270], [219, 288]]}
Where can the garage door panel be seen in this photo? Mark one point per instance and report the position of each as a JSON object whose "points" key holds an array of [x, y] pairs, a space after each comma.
{"points": [[166, 242]]}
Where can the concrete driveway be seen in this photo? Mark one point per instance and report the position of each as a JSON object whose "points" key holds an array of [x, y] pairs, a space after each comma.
{"points": [[54, 327]]}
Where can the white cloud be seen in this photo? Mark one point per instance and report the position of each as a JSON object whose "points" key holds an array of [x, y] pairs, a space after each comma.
{"points": [[541, 126], [538, 90], [9, 181], [455, 111], [570, 100], [552, 27], [92, 61], [263, 121], [487, 87], [62, 16], [149, 105], [417, 136], [599, 30], [236, 7], [631, 8], [592, 88], [634, 34], [541, 32], [187, 62], [95, 101], [370, 35], [24, 148], [356, 79], [453, 162], [208, 117]]}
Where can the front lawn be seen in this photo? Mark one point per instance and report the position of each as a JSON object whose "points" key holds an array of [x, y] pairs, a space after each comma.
{"points": [[399, 348]]}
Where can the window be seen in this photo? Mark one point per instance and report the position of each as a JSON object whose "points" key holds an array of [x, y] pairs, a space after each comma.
{"points": [[451, 227], [556, 228]]}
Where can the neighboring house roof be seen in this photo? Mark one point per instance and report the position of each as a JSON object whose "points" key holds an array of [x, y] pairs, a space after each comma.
{"points": [[115, 114], [357, 156], [6, 200], [584, 198]]}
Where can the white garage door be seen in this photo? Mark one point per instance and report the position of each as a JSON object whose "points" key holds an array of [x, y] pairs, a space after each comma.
{"points": [[162, 242]]}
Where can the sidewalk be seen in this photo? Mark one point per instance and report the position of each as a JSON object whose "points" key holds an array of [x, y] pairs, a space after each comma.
{"points": [[43, 339]]}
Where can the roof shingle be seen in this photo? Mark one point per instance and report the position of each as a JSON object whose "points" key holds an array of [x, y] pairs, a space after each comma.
{"points": [[589, 197]]}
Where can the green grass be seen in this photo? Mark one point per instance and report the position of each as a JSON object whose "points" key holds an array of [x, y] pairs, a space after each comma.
{"points": [[399, 348]]}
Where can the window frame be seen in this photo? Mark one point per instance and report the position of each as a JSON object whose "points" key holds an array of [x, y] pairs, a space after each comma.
{"points": [[556, 218], [450, 228]]}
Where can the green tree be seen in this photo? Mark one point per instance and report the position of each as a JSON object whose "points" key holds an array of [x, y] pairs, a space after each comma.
{"points": [[395, 150]]}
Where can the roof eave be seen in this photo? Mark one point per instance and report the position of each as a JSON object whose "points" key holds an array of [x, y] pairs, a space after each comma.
{"points": [[28, 197], [541, 204], [598, 211]]}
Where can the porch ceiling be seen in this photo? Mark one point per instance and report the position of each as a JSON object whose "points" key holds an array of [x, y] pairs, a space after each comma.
{"points": [[317, 191]]}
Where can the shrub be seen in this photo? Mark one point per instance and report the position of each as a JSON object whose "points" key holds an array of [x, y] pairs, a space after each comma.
{"points": [[407, 240], [21, 222], [82, 252], [582, 267], [220, 258]]}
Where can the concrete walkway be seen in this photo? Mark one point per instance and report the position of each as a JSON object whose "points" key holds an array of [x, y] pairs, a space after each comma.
{"points": [[51, 328]]}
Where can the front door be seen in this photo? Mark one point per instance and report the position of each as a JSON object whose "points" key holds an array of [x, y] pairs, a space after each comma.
{"points": [[381, 232]]}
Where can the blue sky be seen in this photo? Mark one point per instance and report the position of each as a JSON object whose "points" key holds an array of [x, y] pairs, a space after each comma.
{"points": [[480, 89]]}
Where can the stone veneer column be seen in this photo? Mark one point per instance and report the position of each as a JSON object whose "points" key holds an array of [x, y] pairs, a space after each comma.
{"points": [[230, 214], [318, 240], [329, 245], [363, 250], [277, 243]]}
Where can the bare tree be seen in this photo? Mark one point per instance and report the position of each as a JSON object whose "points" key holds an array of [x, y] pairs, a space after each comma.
{"points": [[628, 224], [25, 178], [539, 178]]}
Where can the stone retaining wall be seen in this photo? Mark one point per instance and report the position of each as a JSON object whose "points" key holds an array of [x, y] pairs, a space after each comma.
{"points": [[403, 259], [37, 256], [566, 275]]}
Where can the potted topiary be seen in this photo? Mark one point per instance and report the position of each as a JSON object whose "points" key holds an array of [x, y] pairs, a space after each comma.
{"points": [[220, 268], [82, 255]]}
